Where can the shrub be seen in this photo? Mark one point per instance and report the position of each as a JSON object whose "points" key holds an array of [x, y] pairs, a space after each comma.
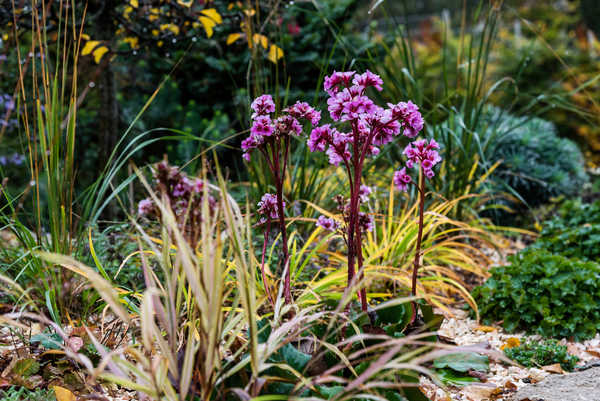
{"points": [[536, 354], [543, 294], [536, 163], [574, 233]]}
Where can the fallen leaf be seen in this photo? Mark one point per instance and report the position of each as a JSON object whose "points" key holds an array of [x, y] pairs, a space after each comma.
{"points": [[476, 392], [510, 386], [486, 329], [62, 394], [510, 343], [555, 368], [593, 352]]}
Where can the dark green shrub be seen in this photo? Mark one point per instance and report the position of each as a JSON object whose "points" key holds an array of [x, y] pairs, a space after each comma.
{"points": [[537, 354], [574, 233], [543, 293], [536, 163]]}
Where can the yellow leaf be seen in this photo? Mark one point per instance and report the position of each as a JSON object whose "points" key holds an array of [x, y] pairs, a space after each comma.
{"points": [[170, 27], [213, 14], [134, 3], [185, 3], [85, 36], [62, 394], [486, 329], [208, 25], [90, 45], [233, 37], [132, 41], [262, 39], [159, 43], [511, 343], [275, 53], [98, 53], [250, 12]]}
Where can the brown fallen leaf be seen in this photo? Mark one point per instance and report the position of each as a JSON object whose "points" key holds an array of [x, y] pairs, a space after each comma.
{"points": [[510, 386], [594, 352], [475, 392], [554, 368], [62, 394]]}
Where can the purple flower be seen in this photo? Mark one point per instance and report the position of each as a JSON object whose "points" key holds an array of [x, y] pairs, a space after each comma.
{"points": [[198, 186], [423, 153], [366, 223], [183, 188], [331, 83], [268, 207], [145, 207], [410, 117], [364, 193], [288, 125], [303, 110], [319, 138], [262, 126], [368, 79], [327, 223], [262, 105], [336, 157], [401, 179]]}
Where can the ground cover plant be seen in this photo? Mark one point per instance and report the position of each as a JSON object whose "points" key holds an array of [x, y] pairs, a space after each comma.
{"points": [[540, 354]]}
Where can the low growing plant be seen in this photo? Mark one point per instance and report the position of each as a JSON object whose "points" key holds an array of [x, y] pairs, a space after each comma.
{"points": [[543, 293], [538, 354]]}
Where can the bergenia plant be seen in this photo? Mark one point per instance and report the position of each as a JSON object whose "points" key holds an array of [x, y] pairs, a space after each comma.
{"points": [[424, 155], [271, 137], [363, 129], [184, 195]]}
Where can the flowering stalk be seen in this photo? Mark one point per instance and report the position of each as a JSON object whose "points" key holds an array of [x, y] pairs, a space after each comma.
{"points": [[272, 139], [425, 155], [371, 126]]}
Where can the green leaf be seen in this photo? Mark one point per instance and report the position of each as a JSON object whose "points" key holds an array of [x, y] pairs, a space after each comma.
{"points": [[48, 341], [26, 367], [463, 362], [296, 359], [451, 377]]}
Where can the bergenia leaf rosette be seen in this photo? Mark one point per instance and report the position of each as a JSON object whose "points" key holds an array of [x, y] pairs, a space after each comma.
{"points": [[271, 137], [363, 128], [424, 155]]}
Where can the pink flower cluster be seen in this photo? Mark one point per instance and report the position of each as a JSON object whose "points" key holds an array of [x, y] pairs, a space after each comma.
{"points": [[264, 127], [372, 126], [267, 207], [420, 152]]}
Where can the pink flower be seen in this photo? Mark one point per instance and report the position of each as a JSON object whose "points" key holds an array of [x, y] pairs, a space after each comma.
{"points": [[366, 223], [401, 179], [302, 110], [288, 125], [319, 138], [331, 83], [423, 153], [145, 207], [409, 116], [262, 126], [327, 223], [262, 105], [336, 157], [268, 207], [198, 186], [368, 79], [250, 143], [183, 188], [364, 193]]}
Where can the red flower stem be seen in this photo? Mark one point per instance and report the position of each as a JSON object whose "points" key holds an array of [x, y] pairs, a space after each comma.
{"points": [[262, 263], [363, 291], [419, 239]]}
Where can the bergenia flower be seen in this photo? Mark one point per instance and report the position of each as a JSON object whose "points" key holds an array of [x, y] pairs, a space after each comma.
{"points": [[364, 193], [366, 223], [401, 179], [268, 207], [327, 223], [424, 153], [262, 126], [145, 207], [262, 105]]}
